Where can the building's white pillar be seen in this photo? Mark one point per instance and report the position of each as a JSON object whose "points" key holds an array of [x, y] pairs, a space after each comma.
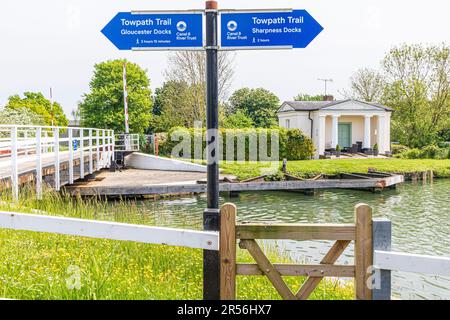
{"points": [[381, 134], [321, 135], [335, 132], [367, 143]]}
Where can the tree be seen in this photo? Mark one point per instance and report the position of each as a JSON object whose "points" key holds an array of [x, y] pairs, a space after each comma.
{"points": [[366, 85], [174, 106], [239, 120], [103, 107], [307, 97], [418, 89], [189, 67], [259, 104], [52, 114], [20, 116]]}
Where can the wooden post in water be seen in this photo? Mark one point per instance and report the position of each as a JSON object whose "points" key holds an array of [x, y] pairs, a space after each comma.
{"points": [[228, 252], [363, 251]]}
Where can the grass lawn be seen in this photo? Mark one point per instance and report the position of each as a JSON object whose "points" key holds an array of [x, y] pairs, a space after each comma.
{"points": [[310, 168], [49, 266]]}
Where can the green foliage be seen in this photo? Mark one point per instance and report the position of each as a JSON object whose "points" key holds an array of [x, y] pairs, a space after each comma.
{"points": [[293, 144], [428, 152], [398, 148], [259, 104], [307, 97], [338, 148], [103, 107], [238, 120], [375, 147], [22, 116], [418, 89], [39, 105], [176, 105]]}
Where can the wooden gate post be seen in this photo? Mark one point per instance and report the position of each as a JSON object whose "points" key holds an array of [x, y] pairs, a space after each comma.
{"points": [[363, 251], [227, 252]]}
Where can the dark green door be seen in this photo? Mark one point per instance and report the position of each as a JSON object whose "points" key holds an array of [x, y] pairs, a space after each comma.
{"points": [[345, 135]]}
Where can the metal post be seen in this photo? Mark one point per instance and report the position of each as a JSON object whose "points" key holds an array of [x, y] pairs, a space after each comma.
{"points": [[82, 153], [57, 161], [38, 163], [211, 216], [14, 164], [382, 235], [71, 156]]}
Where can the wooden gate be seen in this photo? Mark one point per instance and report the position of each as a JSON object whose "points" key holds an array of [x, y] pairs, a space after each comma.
{"points": [[343, 234]]}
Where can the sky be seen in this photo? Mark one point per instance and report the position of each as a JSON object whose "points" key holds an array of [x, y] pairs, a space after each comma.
{"points": [[55, 43]]}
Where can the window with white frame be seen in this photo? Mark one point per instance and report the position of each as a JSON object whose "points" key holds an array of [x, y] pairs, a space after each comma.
{"points": [[288, 123]]}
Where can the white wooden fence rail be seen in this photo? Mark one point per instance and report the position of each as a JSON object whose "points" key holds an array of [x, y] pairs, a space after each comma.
{"points": [[36, 146], [431, 265], [110, 230]]}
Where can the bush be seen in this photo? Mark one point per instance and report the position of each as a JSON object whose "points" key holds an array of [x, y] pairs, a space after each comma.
{"points": [[428, 152], [293, 144], [398, 148]]}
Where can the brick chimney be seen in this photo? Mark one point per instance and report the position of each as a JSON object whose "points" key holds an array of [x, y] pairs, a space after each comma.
{"points": [[328, 98]]}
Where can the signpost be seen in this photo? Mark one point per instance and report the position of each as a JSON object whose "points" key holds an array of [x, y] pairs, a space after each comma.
{"points": [[284, 29], [156, 30], [240, 30]]}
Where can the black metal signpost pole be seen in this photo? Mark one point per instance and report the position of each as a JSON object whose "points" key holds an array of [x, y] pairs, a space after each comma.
{"points": [[211, 216]]}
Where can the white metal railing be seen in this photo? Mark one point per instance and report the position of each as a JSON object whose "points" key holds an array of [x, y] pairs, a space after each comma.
{"points": [[31, 148], [127, 142], [110, 230]]}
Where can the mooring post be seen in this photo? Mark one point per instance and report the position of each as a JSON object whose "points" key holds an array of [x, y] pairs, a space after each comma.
{"points": [[228, 252], [363, 251], [211, 216], [382, 237]]}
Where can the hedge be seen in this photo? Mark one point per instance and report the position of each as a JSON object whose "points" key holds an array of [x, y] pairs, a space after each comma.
{"points": [[293, 144], [428, 152]]}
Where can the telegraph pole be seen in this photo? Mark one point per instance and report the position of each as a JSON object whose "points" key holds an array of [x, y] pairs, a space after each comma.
{"points": [[211, 216]]}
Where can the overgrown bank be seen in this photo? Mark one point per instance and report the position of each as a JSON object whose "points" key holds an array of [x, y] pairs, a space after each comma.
{"points": [[48, 266]]}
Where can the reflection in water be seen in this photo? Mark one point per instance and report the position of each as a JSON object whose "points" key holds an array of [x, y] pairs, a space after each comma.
{"points": [[420, 215]]}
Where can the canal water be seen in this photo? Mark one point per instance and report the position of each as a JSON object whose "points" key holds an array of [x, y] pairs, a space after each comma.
{"points": [[420, 215]]}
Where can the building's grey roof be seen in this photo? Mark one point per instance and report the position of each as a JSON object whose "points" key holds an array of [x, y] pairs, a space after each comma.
{"points": [[317, 105]]}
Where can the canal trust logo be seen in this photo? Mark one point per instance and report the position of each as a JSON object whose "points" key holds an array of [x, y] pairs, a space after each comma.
{"points": [[181, 26], [232, 25]]}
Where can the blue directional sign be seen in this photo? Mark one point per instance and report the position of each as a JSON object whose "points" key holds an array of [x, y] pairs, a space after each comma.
{"points": [[262, 29], [155, 31]]}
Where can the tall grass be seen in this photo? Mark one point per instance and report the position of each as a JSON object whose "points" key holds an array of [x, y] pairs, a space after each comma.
{"points": [[45, 266]]}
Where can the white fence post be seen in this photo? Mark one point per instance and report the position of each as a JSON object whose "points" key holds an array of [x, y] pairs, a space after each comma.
{"points": [[91, 165], [57, 160], [105, 152], [82, 153], [70, 156], [39, 163], [14, 164], [113, 144], [382, 235], [25, 136], [97, 134]]}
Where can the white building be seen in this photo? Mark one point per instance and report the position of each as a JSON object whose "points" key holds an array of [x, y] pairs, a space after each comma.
{"points": [[346, 123]]}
